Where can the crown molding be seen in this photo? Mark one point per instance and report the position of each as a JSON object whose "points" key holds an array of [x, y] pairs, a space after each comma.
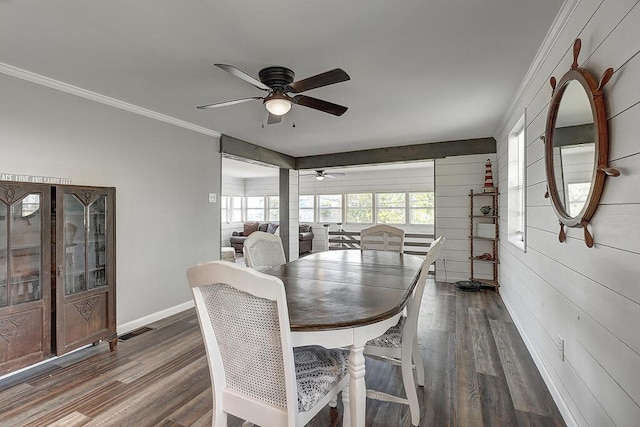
{"points": [[93, 96], [549, 42]]}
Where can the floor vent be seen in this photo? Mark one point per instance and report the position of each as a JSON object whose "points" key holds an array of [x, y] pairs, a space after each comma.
{"points": [[134, 333]]}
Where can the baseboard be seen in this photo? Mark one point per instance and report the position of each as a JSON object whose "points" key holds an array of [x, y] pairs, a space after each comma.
{"points": [[568, 417], [153, 317]]}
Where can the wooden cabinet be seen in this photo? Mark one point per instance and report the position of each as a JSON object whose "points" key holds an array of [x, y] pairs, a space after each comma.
{"points": [[484, 236], [57, 270]]}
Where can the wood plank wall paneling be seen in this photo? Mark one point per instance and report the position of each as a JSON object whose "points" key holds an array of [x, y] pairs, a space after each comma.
{"points": [[455, 177], [589, 297]]}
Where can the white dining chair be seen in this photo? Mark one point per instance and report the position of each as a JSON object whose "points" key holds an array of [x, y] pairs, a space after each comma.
{"points": [[382, 237], [256, 374], [399, 343], [263, 249]]}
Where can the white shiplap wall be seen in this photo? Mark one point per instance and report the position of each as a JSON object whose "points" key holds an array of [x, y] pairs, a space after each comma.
{"points": [[589, 297], [455, 177]]}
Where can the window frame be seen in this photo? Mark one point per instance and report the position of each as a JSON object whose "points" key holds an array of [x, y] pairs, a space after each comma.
{"points": [[247, 209], [225, 204], [371, 207], [404, 208], [517, 185], [312, 208], [320, 208], [411, 208], [270, 209]]}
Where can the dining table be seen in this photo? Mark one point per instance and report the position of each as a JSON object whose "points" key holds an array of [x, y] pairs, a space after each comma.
{"points": [[344, 298]]}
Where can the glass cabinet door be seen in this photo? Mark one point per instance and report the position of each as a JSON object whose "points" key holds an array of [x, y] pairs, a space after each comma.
{"points": [[85, 243], [85, 307], [25, 312], [25, 256], [20, 251]]}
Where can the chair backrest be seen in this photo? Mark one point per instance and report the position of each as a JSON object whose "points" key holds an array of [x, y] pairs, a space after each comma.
{"points": [[245, 324], [416, 301], [382, 237], [263, 249]]}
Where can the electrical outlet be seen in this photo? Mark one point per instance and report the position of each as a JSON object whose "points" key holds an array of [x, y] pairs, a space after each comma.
{"points": [[561, 347]]}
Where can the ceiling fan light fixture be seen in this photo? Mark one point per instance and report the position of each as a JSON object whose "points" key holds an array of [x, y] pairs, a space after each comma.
{"points": [[278, 106], [319, 177]]}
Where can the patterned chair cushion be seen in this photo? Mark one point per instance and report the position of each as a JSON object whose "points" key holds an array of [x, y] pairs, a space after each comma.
{"points": [[318, 370], [392, 338]]}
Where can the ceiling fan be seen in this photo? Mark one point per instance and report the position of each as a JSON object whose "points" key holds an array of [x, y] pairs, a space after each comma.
{"points": [[321, 174], [278, 83]]}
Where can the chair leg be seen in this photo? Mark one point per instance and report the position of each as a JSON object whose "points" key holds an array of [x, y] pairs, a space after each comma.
{"points": [[417, 361], [334, 401], [346, 413], [410, 390], [219, 418]]}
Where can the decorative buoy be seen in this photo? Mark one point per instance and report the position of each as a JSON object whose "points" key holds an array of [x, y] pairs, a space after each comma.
{"points": [[488, 178]]}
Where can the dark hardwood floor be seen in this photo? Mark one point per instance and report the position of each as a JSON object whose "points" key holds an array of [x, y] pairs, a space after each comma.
{"points": [[478, 370]]}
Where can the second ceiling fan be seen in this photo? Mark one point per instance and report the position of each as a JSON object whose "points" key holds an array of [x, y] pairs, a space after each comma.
{"points": [[279, 84], [322, 174]]}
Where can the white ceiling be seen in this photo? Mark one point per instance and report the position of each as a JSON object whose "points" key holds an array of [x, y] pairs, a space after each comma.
{"points": [[421, 70]]}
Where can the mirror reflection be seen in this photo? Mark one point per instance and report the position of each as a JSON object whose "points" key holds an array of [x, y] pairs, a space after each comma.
{"points": [[574, 149]]}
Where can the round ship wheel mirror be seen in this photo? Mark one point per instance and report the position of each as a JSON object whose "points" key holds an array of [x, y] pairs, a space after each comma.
{"points": [[577, 146]]}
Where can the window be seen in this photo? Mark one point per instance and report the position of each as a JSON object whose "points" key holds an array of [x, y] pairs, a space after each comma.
{"points": [[391, 208], [255, 208], [577, 193], [330, 207], [516, 204], [421, 208], [236, 209], [274, 208], [225, 202], [359, 208], [30, 204], [306, 207]]}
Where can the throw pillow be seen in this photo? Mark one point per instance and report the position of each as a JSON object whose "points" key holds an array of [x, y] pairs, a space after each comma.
{"points": [[304, 228], [272, 228], [250, 227]]}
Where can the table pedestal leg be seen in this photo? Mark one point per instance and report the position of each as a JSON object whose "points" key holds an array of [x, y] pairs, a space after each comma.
{"points": [[357, 386]]}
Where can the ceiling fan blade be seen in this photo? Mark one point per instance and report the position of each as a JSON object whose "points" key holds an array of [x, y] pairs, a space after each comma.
{"points": [[273, 119], [325, 79], [333, 174], [244, 76], [227, 103], [319, 104]]}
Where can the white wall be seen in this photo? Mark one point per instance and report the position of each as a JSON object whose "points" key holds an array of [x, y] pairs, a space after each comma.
{"points": [[455, 178], [162, 174], [589, 297]]}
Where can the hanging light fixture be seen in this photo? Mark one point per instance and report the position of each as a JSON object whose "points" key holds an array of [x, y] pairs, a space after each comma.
{"points": [[319, 177], [277, 104]]}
